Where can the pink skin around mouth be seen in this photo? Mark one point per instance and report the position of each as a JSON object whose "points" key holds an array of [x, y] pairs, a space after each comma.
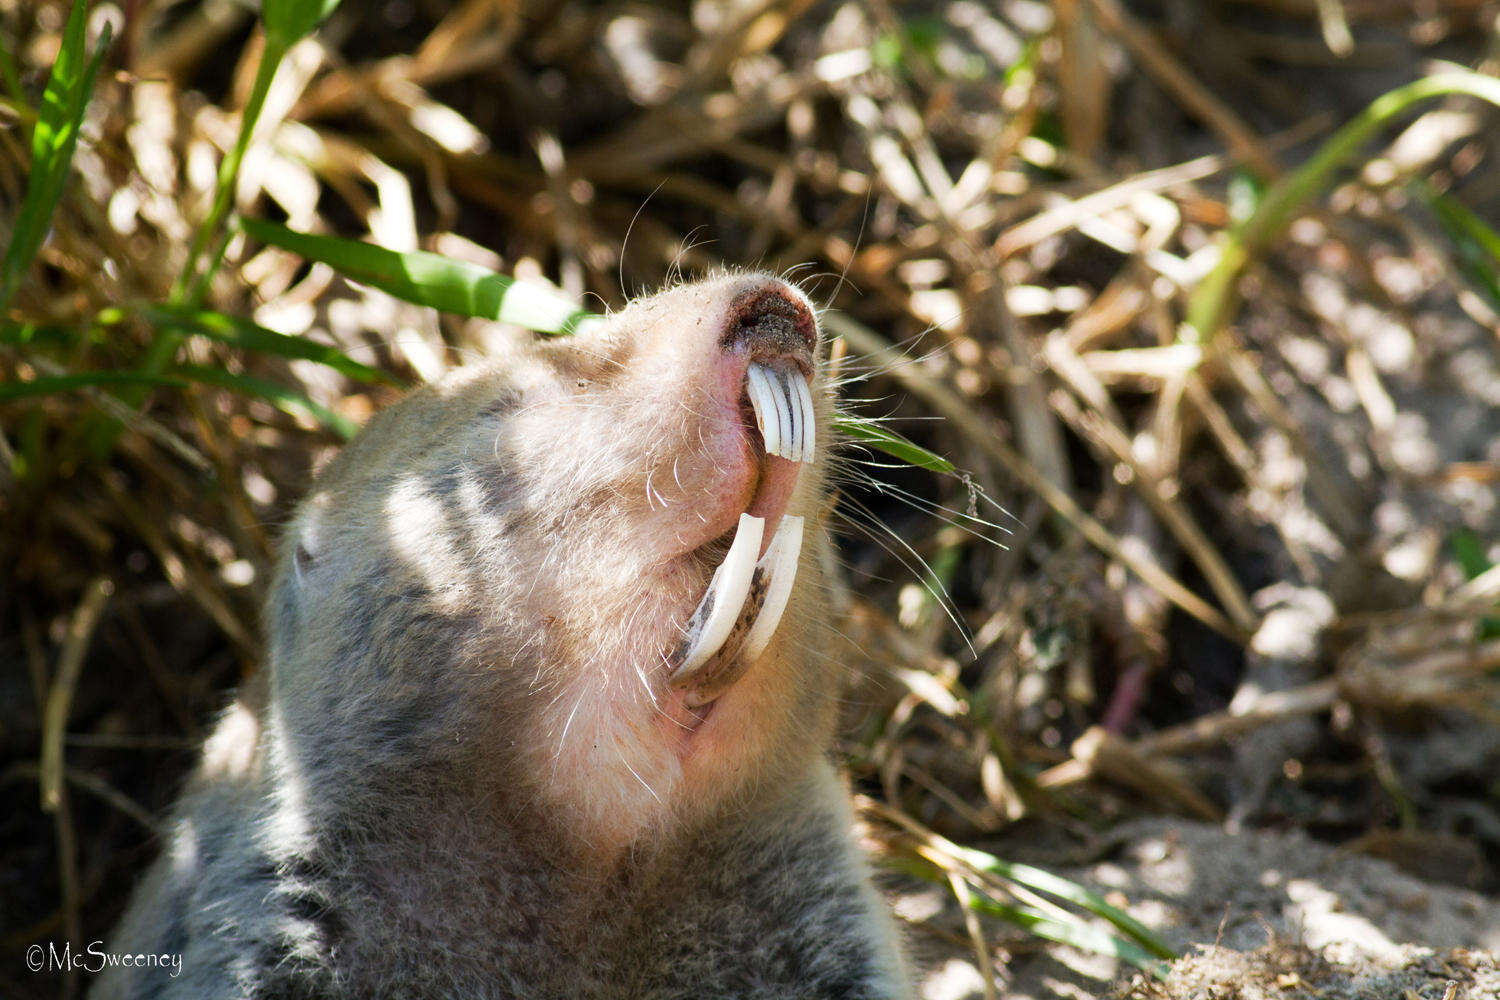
{"points": [[745, 470], [778, 480], [749, 480]]}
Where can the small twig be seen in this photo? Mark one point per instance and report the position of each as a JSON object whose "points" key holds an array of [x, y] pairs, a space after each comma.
{"points": [[175, 51], [339, 92], [1066, 215], [161, 674], [1308, 699], [1341, 510], [1170, 73], [1207, 730], [133, 418], [67, 873], [964, 895], [50, 771], [1479, 594], [753, 28], [26, 769], [186, 577], [1108, 756], [549, 153], [1335, 25], [1083, 78], [65, 680], [1101, 424]]}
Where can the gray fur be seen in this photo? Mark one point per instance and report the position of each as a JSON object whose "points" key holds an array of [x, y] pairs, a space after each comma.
{"points": [[459, 780], [768, 904]]}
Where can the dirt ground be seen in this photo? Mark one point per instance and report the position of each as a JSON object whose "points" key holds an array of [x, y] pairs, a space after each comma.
{"points": [[1256, 914]]}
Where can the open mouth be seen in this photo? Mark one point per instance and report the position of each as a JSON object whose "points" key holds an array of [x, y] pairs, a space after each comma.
{"points": [[745, 599]]}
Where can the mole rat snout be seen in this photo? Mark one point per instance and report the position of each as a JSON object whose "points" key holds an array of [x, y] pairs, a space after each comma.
{"points": [[769, 320]]}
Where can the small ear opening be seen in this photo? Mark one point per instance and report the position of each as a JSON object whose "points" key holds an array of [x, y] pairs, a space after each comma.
{"points": [[302, 561]]}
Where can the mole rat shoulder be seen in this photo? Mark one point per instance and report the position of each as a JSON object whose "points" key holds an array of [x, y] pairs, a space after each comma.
{"points": [[549, 698]]}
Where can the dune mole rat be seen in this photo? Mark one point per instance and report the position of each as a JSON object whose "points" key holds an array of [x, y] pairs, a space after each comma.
{"points": [[549, 697]]}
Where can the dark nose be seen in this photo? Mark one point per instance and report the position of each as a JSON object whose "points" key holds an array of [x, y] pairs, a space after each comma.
{"points": [[770, 319]]}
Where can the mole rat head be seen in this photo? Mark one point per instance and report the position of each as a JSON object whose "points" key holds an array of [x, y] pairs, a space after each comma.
{"points": [[580, 579]]}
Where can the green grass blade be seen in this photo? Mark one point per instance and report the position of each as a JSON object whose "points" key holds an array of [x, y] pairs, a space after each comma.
{"points": [[1210, 304], [287, 21], [249, 336], [1469, 551], [428, 279], [1472, 226], [11, 79], [1477, 244], [1069, 892], [893, 444], [49, 384], [432, 280], [1057, 926], [52, 144], [1070, 932], [186, 290], [14, 334], [285, 399]]}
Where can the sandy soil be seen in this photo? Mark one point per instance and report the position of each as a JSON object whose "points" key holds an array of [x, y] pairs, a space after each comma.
{"points": [[1256, 914]]}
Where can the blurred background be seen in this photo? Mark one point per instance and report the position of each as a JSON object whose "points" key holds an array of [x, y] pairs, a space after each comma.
{"points": [[1208, 591]]}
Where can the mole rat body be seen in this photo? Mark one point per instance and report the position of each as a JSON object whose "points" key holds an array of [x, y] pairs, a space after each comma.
{"points": [[549, 699]]}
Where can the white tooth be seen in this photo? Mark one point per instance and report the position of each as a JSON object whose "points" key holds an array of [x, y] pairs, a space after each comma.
{"points": [[809, 419], [784, 411], [780, 561], [755, 388], [794, 404], [725, 598], [799, 419], [763, 401]]}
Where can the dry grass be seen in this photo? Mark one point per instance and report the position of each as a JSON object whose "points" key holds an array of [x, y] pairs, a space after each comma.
{"points": [[1234, 579]]}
